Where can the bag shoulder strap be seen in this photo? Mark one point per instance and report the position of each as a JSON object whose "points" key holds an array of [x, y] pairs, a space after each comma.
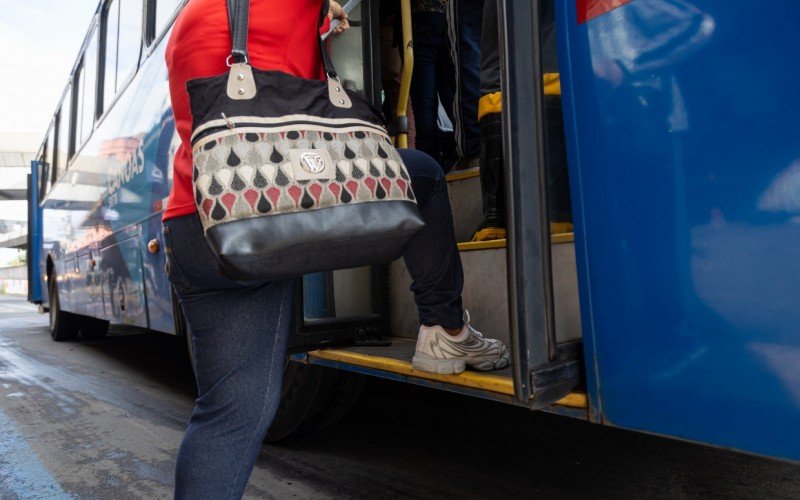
{"points": [[238, 19]]}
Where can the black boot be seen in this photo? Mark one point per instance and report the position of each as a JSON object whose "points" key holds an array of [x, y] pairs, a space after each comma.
{"points": [[493, 226]]}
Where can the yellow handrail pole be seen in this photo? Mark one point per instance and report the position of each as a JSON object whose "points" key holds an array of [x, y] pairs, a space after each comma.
{"points": [[408, 70]]}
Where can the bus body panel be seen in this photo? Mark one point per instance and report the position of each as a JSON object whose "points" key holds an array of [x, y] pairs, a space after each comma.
{"points": [[100, 215], [35, 281], [683, 129]]}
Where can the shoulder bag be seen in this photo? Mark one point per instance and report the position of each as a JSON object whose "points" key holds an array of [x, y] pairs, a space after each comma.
{"points": [[292, 175]]}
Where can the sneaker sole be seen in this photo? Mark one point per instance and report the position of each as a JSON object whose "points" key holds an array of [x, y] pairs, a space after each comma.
{"points": [[489, 365], [426, 363]]}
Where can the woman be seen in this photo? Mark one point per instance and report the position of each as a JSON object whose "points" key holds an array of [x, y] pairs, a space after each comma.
{"points": [[239, 331]]}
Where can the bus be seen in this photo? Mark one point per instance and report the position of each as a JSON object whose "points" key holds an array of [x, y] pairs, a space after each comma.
{"points": [[672, 308]]}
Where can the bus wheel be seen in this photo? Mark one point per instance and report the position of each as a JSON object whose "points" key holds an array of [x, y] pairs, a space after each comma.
{"points": [[63, 325], [313, 398], [93, 328]]}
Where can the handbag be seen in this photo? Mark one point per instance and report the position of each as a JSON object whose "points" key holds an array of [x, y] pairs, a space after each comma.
{"points": [[291, 175]]}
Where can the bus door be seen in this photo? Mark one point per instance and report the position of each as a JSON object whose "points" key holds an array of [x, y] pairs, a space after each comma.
{"points": [[545, 328], [522, 291], [682, 128], [35, 267]]}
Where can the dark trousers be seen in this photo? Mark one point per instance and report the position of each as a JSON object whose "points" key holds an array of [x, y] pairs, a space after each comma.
{"points": [[240, 335], [464, 26], [490, 51], [432, 81]]}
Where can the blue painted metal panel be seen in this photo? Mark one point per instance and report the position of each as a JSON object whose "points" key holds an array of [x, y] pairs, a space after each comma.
{"points": [[683, 128], [35, 237], [315, 303]]}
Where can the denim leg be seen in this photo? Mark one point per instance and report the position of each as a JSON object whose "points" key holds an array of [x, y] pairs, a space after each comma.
{"points": [[239, 337], [428, 29], [432, 257], [464, 19]]}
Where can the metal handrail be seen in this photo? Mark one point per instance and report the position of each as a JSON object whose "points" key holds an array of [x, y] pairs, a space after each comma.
{"points": [[401, 140]]}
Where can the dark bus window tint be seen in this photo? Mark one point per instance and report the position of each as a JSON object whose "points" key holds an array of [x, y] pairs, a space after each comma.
{"points": [[130, 39], [79, 84], [110, 67], [44, 163], [50, 154], [86, 93], [62, 136], [164, 11]]}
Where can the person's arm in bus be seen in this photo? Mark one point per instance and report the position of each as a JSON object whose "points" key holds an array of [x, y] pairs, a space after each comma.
{"points": [[335, 12]]}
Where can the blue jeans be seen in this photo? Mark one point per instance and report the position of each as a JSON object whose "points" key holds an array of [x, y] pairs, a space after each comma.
{"points": [[240, 334], [432, 81]]}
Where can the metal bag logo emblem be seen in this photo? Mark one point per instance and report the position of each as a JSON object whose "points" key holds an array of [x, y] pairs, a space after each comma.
{"points": [[312, 162]]}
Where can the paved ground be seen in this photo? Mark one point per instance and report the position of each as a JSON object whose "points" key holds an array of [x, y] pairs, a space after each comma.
{"points": [[103, 419]]}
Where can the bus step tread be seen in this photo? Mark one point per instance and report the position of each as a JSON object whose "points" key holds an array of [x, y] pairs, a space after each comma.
{"points": [[396, 359]]}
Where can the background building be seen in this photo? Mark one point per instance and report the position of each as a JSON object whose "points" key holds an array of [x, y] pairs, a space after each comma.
{"points": [[16, 152]]}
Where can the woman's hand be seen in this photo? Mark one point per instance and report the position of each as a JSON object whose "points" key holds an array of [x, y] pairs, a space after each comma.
{"points": [[337, 12]]}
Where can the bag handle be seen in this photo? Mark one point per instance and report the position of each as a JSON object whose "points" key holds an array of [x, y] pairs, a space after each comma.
{"points": [[238, 19]]}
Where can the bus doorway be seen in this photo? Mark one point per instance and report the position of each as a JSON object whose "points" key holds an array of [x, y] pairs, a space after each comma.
{"points": [[524, 286]]}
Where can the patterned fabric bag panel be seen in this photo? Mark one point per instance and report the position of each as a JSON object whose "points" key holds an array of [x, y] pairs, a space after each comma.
{"points": [[248, 171]]}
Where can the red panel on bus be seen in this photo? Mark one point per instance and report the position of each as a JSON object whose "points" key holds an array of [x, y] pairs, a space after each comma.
{"points": [[589, 9]]}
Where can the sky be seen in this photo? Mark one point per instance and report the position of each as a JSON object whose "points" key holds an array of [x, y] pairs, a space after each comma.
{"points": [[39, 42]]}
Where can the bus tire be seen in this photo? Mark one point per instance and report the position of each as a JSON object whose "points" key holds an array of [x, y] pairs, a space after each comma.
{"points": [[344, 388], [63, 325], [93, 328], [313, 398]]}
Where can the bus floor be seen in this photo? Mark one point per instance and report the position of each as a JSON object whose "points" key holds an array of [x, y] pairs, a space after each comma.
{"points": [[394, 362]]}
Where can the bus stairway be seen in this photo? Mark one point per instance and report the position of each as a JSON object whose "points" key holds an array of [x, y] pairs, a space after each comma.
{"points": [[485, 294]]}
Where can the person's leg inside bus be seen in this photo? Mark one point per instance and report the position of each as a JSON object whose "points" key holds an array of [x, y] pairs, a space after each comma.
{"points": [[464, 26], [446, 92], [429, 38], [432, 256], [239, 338], [447, 342], [493, 225]]}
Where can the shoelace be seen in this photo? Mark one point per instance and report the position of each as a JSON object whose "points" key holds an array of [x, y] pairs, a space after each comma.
{"points": [[470, 327]]}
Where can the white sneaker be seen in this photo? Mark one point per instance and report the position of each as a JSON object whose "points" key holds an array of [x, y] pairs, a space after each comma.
{"points": [[439, 352]]}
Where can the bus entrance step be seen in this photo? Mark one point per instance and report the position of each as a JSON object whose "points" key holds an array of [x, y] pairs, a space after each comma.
{"points": [[485, 292], [394, 362], [464, 189]]}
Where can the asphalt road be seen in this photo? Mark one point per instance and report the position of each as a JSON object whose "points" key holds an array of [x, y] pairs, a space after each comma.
{"points": [[103, 419]]}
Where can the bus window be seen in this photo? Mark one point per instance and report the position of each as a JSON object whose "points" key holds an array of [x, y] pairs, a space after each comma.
{"points": [[347, 53], [47, 165], [123, 40], [50, 153], [41, 174], [87, 81], [164, 11], [130, 39], [111, 35], [63, 147]]}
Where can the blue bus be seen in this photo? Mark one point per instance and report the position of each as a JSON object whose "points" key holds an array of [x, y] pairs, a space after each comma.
{"points": [[672, 308]]}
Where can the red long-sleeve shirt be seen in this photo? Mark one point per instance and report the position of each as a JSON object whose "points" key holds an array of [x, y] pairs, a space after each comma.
{"points": [[282, 36]]}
